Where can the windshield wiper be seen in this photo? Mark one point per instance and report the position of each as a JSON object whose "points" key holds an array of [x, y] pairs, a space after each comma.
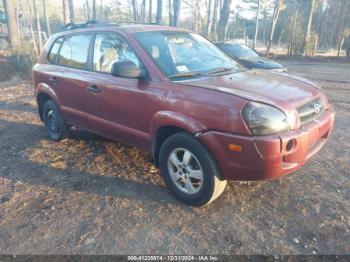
{"points": [[185, 75], [220, 70], [210, 73]]}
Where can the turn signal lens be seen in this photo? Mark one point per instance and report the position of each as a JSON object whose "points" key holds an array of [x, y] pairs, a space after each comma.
{"points": [[235, 148]]}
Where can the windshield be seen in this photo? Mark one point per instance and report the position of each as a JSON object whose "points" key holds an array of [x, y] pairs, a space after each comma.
{"points": [[240, 51], [185, 54]]}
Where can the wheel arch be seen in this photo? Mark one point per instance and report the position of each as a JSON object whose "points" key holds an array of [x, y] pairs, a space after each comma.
{"points": [[166, 124], [43, 93]]}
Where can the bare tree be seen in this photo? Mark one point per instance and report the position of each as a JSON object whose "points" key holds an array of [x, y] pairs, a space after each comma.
{"points": [[279, 5], [207, 28], [170, 11], [295, 19], [143, 9], [177, 7], [47, 22], [87, 7], [194, 9], [35, 47], [214, 20], [343, 21], [134, 9], [223, 21], [94, 17], [159, 12], [71, 11], [18, 16], [64, 12], [12, 21], [101, 7], [256, 23], [308, 27], [38, 28], [150, 20]]}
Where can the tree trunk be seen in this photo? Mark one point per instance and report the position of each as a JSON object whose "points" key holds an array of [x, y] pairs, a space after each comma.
{"points": [[143, 10], [170, 10], [71, 11], [159, 12], [214, 20], [18, 29], [64, 12], [256, 24], [12, 21], [343, 25], [38, 28], [276, 13], [291, 41], [207, 29], [134, 9], [150, 20], [177, 7], [224, 17], [47, 22], [101, 8], [87, 10], [308, 28], [35, 47], [94, 16]]}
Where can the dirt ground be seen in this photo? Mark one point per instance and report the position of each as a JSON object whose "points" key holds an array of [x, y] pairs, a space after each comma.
{"points": [[88, 195]]}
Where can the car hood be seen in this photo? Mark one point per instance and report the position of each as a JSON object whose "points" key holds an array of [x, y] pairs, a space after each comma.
{"points": [[282, 90], [261, 63]]}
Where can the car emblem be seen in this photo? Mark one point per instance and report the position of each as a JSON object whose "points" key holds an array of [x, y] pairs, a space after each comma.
{"points": [[316, 107]]}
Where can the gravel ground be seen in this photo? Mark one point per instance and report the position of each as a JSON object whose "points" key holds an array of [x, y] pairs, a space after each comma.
{"points": [[88, 195]]}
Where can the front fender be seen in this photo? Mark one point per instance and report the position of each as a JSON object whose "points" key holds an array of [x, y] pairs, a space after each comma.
{"points": [[170, 118]]}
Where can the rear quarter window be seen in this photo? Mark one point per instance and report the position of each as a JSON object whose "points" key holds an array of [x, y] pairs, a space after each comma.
{"points": [[74, 51]]}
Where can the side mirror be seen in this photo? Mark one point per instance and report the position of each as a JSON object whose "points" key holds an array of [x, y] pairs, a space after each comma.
{"points": [[126, 69]]}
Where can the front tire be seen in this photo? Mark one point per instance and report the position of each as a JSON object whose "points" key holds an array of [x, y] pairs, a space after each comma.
{"points": [[57, 128], [190, 171]]}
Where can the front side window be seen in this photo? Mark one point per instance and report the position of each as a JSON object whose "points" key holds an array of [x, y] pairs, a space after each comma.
{"points": [[54, 50], [180, 53], [74, 51], [110, 49]]}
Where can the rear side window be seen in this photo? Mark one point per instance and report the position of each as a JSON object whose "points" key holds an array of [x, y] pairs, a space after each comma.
{"points": [[75, 50], [54, 50]]}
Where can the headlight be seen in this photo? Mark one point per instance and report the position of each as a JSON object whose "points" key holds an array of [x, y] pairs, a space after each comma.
{"points": [[263, 119]]}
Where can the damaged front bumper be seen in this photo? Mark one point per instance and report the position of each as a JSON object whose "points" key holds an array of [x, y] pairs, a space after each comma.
{"points": [[268, 157]]}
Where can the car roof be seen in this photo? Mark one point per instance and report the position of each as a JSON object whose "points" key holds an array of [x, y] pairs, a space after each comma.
{"points": [[149, 27], [125, 27]]}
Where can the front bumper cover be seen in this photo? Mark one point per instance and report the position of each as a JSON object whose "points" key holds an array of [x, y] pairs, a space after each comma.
{"points": [[267, 157]]}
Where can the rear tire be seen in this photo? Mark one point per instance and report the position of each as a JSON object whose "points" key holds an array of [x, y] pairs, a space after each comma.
{"points": [[189, 170], [57, 128]]}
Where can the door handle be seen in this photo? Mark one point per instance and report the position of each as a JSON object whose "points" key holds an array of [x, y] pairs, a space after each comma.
{"points": [[54, 79], [93, 89]]}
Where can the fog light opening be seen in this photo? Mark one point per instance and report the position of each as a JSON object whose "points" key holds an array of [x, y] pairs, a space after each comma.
{"points": [[291, 145]]}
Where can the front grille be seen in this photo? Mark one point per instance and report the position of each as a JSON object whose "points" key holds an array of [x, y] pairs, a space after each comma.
{"points": [[310, 110]]}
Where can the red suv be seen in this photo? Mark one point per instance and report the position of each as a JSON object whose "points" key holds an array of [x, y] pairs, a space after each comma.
{"points": [[205, 118]]}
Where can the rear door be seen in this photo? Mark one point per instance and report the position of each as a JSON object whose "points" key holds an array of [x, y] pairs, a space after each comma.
{"points": [[69, 77]]}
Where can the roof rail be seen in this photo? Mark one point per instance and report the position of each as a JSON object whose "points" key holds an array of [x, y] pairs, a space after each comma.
{"points": [[121, 22], [72, 26], [91, 23]]}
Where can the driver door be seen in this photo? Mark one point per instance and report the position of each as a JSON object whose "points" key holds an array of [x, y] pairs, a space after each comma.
{"points": [[120, 104]]}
